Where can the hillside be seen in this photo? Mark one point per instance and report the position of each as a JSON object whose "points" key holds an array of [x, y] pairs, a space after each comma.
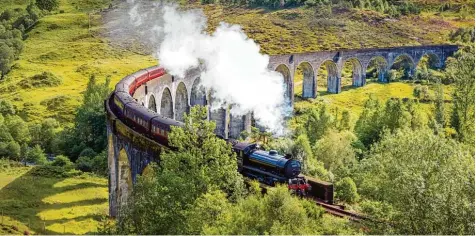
{"points": [[64, 44], [50, 204]]}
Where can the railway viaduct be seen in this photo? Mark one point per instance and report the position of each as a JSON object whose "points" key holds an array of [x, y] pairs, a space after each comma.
{"points": [[129, 152]]}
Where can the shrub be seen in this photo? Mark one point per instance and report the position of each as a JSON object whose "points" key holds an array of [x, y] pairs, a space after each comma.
{"points": [[48, 5], [84, 163], [7, 164], [45, 79], [54, 171], [347, 190], [36, 155], [61, 161]]}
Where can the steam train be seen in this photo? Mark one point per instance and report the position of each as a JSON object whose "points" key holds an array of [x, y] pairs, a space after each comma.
{"points": [[267, 167]]}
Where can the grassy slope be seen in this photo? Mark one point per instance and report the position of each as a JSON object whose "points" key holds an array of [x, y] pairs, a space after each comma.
{"points": [[62, 44], [70, 205]]}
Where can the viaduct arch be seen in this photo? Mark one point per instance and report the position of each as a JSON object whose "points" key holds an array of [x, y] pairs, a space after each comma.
{"points": [[129, 152]]}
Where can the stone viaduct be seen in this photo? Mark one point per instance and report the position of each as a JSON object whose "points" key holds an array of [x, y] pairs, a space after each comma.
{"points": [[129, 151]]}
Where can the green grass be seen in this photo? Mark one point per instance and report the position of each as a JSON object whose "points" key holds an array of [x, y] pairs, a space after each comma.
{"points": [[298, 30], [353, 99], [63, 45], [63, 205]]}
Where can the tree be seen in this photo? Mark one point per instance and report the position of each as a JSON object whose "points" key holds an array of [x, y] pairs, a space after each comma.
{"points": [[18, 129], [318, 122], [336, 151], [425, 180], [346, 190], [199, 163], [275, 213], [345, 123], [89, 130], [302, 151], [461, 70], [6, 108], [396, 114], [36, 155], [44, 134], [6, 59], [61, 160], [10, 149], [48, 5], [439, 111], [369, 125]]}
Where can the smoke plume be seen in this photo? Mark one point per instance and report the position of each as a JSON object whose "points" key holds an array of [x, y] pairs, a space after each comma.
{"points": [[231, 63]]}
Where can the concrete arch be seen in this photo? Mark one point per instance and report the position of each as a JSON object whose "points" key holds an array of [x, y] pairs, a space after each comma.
{"points": [[198, 95], [434, 60], [181, 102], [308, 80], [406, 62], [220, 116], [381, 65], [124, 186], [166, 104], [152, 103], [288, 83], [358, 75], [333, 77]]}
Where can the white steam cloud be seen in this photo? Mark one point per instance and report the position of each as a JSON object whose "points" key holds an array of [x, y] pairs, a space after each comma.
{"points": [[231, 64]]}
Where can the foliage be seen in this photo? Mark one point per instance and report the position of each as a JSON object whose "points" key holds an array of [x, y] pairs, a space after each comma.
{"points": [[427, 180], [275, 213], [10, 149], [439, 112], [421, 92], [336, 152], [6, 164], [461, 69], [35, 155], [96, 163], [45, 79], [319, 121], [62, 161], [48, 5], [346, 190], [44, 134], [301, 150], [90, 129], [200, 162], [345, 121], [463, 36], [396, 114]]}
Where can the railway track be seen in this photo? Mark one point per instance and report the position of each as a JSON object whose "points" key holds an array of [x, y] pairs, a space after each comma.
{"points": [[339, 212]]}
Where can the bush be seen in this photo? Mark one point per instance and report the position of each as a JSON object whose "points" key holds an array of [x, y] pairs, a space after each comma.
{"points": [[36, 155], [45, 79], [48, 5], [10, 150], [54, 171], [61, 161], [7, 164], [84, 163], [347, 190], [96, 164]]}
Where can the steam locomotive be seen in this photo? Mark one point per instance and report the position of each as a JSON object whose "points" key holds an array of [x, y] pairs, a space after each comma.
{"points": [[268, 167]]}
